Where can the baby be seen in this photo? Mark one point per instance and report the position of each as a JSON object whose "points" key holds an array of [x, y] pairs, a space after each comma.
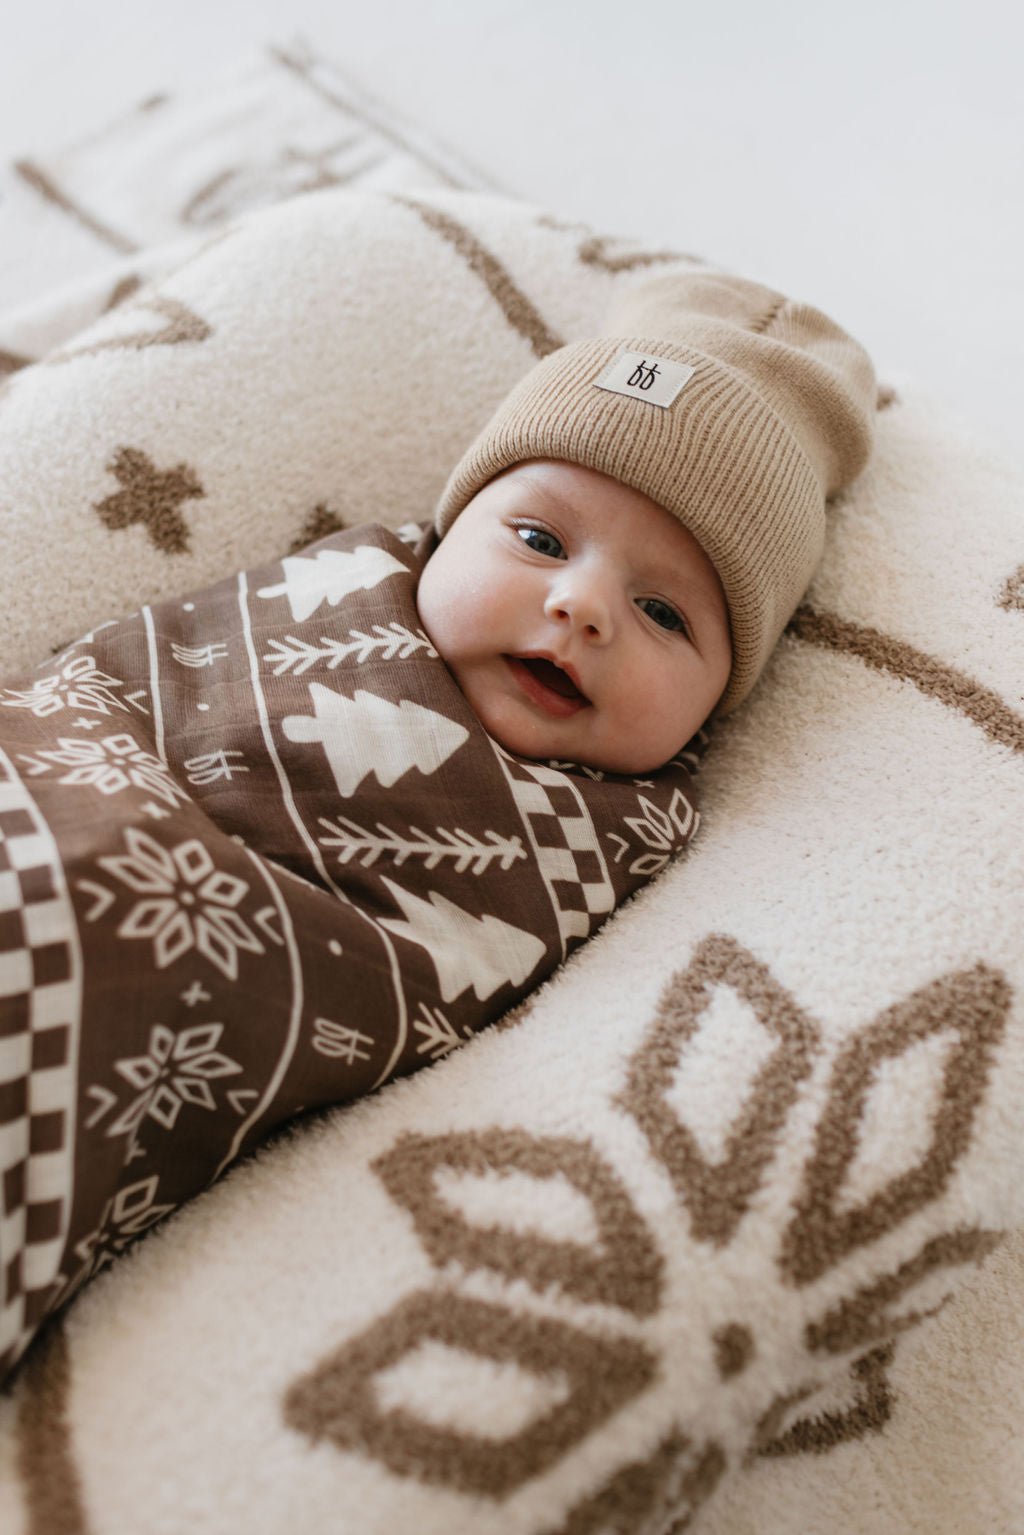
{"points": [[623, 545], [581, 620], [264, 848]]}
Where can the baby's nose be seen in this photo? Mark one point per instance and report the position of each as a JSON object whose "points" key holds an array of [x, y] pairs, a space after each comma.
{"points": [[579, 602]]}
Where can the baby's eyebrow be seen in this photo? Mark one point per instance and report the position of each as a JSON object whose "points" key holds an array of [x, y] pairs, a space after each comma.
{"points": [[536, 487], [694, 599], [680, 585]]}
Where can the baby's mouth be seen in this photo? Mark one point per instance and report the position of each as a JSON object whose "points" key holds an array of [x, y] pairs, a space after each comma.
{"points": [[547, 684]]}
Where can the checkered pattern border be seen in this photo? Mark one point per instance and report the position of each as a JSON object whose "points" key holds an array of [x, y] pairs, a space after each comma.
{"points": [[565, 843], [40, 1004]]}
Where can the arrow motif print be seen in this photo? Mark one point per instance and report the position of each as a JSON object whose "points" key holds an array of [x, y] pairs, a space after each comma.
{"points": [[396, 641], [469, 852], [438, 1036]]}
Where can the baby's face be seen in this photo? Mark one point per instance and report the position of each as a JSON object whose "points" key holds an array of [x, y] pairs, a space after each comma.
{"points": [[581, 620]]}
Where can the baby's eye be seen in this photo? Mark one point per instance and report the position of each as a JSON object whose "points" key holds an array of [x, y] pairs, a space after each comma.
{"points": [[664, 616], [542, 542]]}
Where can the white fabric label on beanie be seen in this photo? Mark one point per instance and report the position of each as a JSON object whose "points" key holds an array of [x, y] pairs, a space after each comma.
{"points": [[656, 380]]}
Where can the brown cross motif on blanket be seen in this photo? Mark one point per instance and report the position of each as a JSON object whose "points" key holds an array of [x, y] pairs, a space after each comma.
{"points": [[151, 496]]}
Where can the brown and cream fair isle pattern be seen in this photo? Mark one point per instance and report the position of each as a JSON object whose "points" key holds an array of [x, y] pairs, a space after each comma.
{"points": [[257, 855]]}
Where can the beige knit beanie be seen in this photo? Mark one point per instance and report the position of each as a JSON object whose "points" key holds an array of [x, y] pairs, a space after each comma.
{"points": [[734, 407]]}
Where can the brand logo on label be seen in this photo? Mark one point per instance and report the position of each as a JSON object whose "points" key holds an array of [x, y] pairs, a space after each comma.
{"points": [[656, 380]]}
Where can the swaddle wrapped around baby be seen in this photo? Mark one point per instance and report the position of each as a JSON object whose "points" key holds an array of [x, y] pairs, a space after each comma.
{"points": [[257, 855]]}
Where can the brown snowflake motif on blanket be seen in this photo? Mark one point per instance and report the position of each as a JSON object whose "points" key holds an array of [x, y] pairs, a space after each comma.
{"points": [[258, 855]]}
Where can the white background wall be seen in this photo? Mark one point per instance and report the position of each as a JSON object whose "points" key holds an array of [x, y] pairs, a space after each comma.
{"points": [[867, 156]]}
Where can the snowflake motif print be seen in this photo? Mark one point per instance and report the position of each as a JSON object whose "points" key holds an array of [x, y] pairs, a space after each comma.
{"points": [[176, 1070], [394, 642], [131, 1211], [78, 685], [356, 842], [187, 902], [109, 765], [663, 831]]}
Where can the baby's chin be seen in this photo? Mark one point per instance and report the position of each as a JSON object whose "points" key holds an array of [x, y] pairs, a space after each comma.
{"points": [[527, 738], [545, 747]]}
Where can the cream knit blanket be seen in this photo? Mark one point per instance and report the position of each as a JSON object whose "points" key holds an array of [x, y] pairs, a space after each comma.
{"points": [[665, 1251]]}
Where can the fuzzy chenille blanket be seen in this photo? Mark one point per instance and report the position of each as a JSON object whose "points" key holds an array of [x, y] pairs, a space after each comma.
{"points": [[718, 1230]]}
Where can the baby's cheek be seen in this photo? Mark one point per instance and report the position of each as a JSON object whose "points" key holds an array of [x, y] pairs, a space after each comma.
{"points": [[431, 613]]}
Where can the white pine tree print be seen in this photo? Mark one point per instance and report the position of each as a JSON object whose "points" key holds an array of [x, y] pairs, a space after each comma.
{"points": [[366, 734], [482, 952], [331, 576]]}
